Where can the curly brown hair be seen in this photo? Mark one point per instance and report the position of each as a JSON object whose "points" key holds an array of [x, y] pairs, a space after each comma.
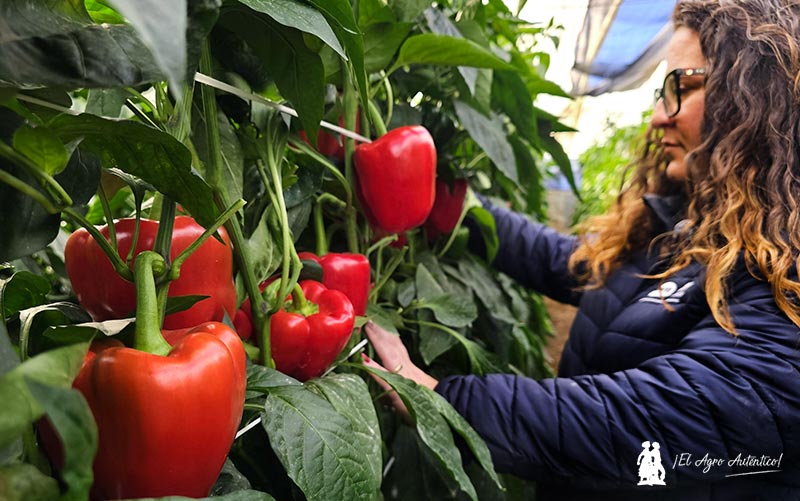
{"points": [[744, 179]]}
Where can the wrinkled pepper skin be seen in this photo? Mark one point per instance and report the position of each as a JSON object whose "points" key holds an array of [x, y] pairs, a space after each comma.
{"points": [[447, 207], [304, 346], [345, 272], [165, 423], [396, 175], [106, 296]]}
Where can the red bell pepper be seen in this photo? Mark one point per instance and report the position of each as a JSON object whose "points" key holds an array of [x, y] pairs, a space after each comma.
{"points": [[345, 272], [396, 175], [166, 416], [308, 337], [447, 207], [105, 295]]}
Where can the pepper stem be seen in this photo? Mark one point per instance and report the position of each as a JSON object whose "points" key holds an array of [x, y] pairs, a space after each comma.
{"points": [[147, 337]]}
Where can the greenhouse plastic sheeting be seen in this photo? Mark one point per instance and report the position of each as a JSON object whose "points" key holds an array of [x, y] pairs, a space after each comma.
{"points": [[620, 44]]}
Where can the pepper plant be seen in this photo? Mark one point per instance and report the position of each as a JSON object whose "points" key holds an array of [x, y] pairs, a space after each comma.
{"points": [[124, 119]]}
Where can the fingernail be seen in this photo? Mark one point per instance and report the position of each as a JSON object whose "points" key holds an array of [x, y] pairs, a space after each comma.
{"points": [[365, 357]]}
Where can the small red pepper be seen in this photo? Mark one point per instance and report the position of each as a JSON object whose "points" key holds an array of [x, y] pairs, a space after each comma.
{"points": [[306, 340], [166, 416], [345, 272], [328, 144], [447, 207], [396, 175], [105, 295]]}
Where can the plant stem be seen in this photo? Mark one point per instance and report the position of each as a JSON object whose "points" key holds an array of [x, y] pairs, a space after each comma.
{"points": [[175, 269], [337, 174], [112, 229], [49, 184], [120, 266], [350, 111], [166, 224], [386, 274], [376, 119], [319, 229], [241, 252], [23, 187], [147, 337]]}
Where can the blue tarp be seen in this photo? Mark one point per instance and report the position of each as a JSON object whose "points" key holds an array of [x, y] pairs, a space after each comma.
{"points": [[621, 43]]}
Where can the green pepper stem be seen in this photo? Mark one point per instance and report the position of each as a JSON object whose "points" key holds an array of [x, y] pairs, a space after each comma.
{"points": [[175, 269], [319, 229], [120, 266], [23, 187], [166, 224], [350, 111], [147, 335], [112, 229], [376, 119], [50, 185]]}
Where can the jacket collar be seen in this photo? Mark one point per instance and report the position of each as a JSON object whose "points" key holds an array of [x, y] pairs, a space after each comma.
{"points": [[668, 210]]}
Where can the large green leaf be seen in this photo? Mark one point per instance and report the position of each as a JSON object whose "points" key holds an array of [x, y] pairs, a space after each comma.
{"points": [[315, 445], [350, 397], [490, 136], [23, 481], [70, 415], [430, 48], [297, 70], [55, 367], [42, 147], [56, 43], [157, 23], [147, 153], [298, 15], [431, 426], [381, 42], [408, 10], [230, 151], [511, 96]]}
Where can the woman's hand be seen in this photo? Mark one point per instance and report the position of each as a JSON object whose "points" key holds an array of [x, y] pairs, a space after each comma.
{"points": [[393, 354]]}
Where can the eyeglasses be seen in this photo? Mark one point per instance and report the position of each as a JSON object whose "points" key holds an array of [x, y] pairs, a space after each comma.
{"points": [[670, 92]]}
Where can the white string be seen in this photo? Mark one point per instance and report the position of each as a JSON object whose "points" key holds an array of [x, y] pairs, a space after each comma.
{"points": [[217, 84]]}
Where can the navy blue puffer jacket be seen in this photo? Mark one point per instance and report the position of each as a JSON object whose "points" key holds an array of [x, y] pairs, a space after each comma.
{"points": [[724, 410]]}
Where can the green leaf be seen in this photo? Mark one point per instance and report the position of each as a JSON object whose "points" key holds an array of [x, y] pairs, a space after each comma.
{"points": [[560, 157], [314, 444], [350, 397], [9, 359], [433, 342], [340, 11], [55, 367], [246, 495], [22, 290], [260, 379], [298, 15], [408, 10], [431, 426], [430, 48], [488, 230], [55, 43], [23, 482], [106, 102], [148, 153], [470, 436], [385, 319], [69, 334], [102, 13], [27, 227], [70, 415], [157, 22], [510, 95], [297, 70], [426, 285], [490, 136], [43, 147], [381, 42], [452, 309]]}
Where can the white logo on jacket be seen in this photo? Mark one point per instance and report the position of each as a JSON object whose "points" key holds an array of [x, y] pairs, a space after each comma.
{"points": [[651, 471], [668, 292]]}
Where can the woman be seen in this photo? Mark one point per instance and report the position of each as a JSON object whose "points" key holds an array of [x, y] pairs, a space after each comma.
{"points": [[687, 331]]}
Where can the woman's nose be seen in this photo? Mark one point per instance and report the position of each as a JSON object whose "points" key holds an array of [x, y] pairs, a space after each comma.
{"points": [[659, 118]]}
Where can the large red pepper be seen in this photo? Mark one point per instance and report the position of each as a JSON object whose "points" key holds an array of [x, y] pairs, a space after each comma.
{"points": [[345, 272], [396, 175], [447, 207], [166, 416], [105, 295], [308, 339]]}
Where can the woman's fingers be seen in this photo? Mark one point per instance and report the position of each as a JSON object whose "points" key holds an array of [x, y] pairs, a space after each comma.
{"points": [[394, 355]]}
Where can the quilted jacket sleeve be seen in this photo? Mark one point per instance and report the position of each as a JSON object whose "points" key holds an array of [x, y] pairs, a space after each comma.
{"points": [[715, 394], [534, 255]]}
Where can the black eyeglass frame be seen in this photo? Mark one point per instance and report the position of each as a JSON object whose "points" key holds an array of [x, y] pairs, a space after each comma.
{"points": [[676, 75]]}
